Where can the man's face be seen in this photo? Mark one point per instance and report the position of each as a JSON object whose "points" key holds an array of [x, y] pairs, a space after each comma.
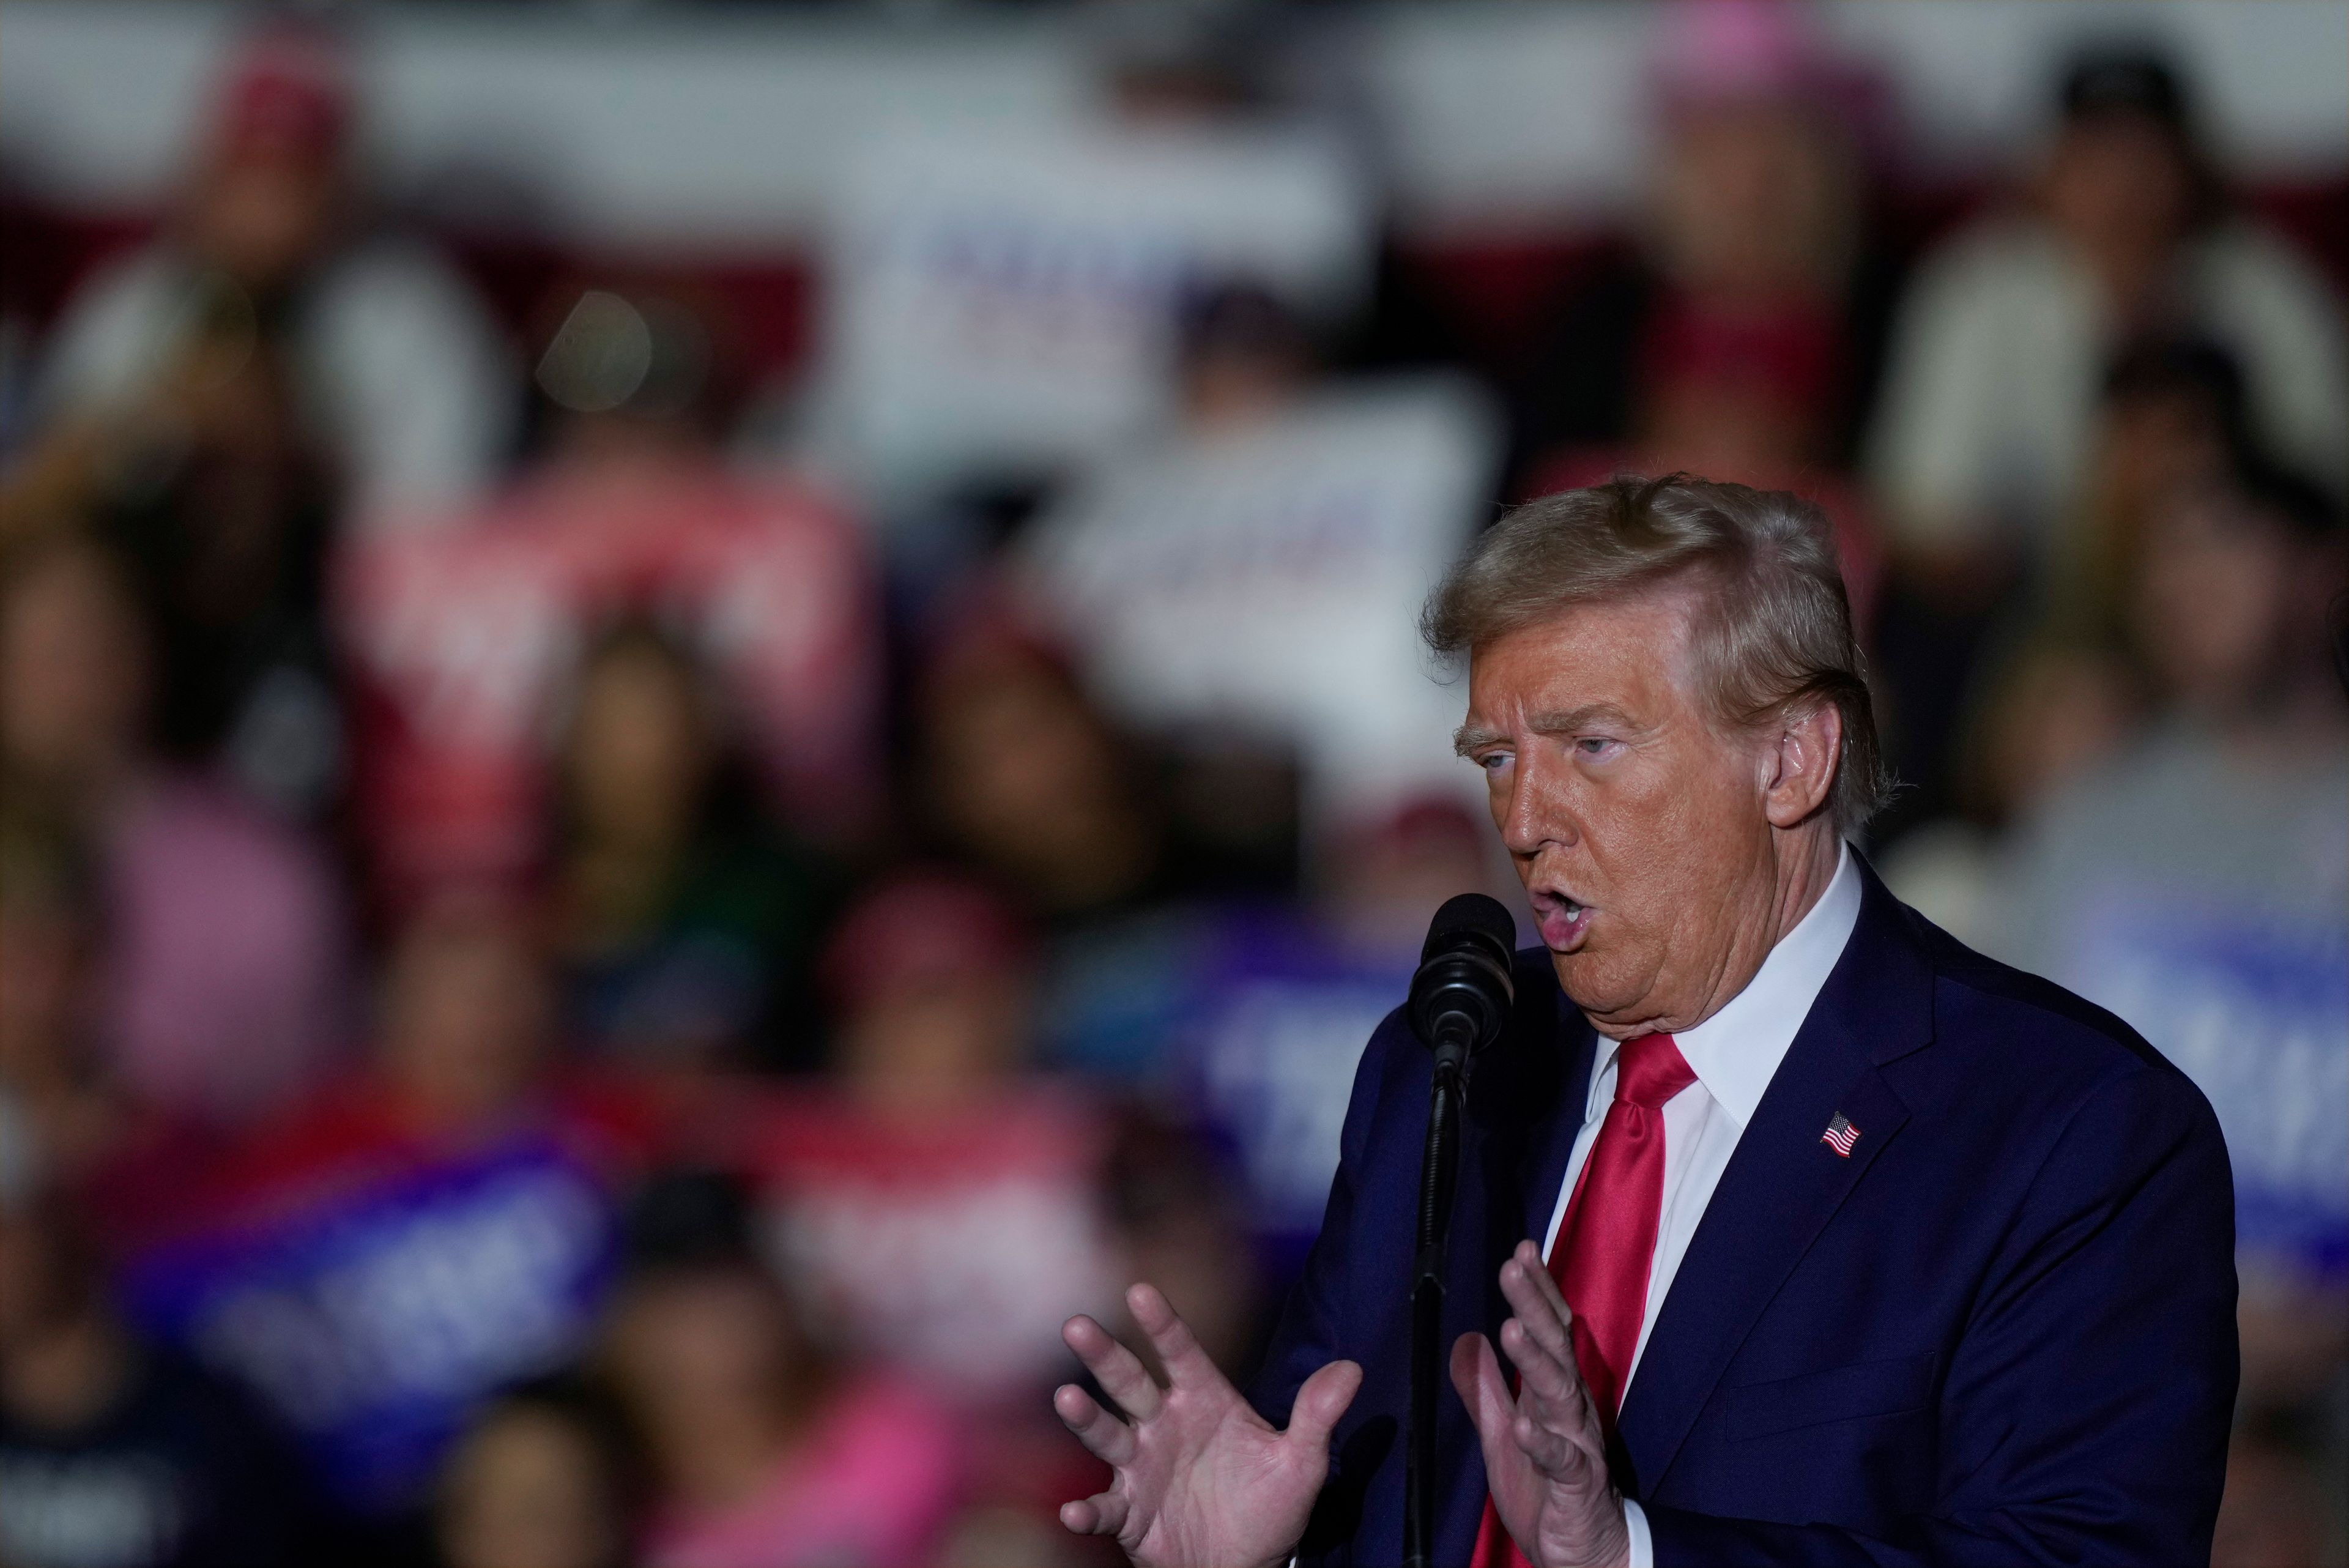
{"points": [[264, 217], [1637, 827], [1749, 198], [2119, 183], [2211, 599], [467, 1010]]}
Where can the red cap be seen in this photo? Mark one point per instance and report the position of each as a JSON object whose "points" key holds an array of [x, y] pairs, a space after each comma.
{"points": [[1794, 354], [287, 95], [1737, 51], [990, 631], [1728, 54], [919, 927]]}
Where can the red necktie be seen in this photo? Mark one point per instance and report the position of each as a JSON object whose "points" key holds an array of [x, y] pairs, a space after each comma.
{"points": [[1608, 1241]]}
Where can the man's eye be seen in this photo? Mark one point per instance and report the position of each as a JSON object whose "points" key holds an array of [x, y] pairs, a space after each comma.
{"points": [[1593, 745], [1494, 761]]}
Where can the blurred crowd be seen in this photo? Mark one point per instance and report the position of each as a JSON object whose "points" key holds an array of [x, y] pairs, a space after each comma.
{"points": [[599, 938]]}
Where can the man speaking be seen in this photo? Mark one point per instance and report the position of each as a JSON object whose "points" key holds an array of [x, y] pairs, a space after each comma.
{"points": [[1786, 1230]]}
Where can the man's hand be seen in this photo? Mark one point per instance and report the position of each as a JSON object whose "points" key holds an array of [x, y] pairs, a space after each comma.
{"points": [[1545, 1453], [1201, 1481]]}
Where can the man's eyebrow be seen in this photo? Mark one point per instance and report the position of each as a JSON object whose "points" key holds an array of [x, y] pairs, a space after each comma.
{"points": [[1467, 738], [1580, 718]]}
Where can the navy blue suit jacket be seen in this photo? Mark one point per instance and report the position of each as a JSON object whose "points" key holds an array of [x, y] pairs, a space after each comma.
{"points": [[2002, 1331]]}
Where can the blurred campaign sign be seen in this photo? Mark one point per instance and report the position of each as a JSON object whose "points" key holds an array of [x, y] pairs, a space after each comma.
{"points": [[372, 1315], [466, 638], [2200, 888], [1280, 1013], [954, 1244], [1248, 1019], [1007, 303], [1273, 575], [2252, 1002]]}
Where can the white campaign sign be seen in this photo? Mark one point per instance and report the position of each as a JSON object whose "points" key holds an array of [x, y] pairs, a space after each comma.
{"points": [[1008, 301], [1275, 577]]}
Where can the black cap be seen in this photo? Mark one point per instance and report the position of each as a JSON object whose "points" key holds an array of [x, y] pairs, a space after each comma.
{"points": [[688, 1220], [2125, 79], [2164, 364]]}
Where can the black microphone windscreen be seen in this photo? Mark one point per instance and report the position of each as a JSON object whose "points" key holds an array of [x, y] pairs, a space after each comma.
{"points": [[1470, 912]]}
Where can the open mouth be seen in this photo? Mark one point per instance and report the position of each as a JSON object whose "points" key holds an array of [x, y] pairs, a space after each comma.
{"points": [[1564, 923]]}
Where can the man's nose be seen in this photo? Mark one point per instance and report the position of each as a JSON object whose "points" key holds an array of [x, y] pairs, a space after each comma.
{"points": [[1539, 811]]}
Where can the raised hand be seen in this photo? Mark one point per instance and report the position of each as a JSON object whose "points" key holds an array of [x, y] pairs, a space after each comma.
{"points": [[1545, 1452], [1201, 1481]]}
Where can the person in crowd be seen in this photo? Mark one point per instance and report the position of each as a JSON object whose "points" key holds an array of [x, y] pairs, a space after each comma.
{"points": [[1753, 230], [1968, 682], [686, 920], [223, 518], [2055, 711], [48, 1058], [938, 1156], [1984, 437], [1741, 339], [931, 975], [405, 381], [547, 1476], [1242, 358], [2196, 883], [770, 576], [1745, 401], [2171, 418], [628, 512], [1178, 1217], [427, 1228], [120, 1160], [765, 1453], [1099, 846], [115, 1452], [222, 980], [466, 1046], [1025, 776], [1994, 734]]}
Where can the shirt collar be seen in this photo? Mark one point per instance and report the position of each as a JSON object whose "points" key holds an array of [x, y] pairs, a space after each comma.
{"points": [[1736, 1052]]}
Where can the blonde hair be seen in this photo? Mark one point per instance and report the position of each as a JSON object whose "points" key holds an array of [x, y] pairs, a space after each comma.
{"points": [[1776, 630]]}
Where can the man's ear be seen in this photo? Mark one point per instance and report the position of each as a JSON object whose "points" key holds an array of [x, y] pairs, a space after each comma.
{"points": [[1801, 769]]}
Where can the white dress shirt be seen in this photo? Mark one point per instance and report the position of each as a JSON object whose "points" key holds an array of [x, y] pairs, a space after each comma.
{"points": [[1733, 1055]]}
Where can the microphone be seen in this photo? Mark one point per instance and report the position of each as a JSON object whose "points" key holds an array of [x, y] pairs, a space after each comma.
{"points": [[1459, 1000], [1461, 996]]}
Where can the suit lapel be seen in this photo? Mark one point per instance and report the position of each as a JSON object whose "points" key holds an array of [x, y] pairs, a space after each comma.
{"points": [[1525, 1099], [1549, 1136], [1783, 1183]]}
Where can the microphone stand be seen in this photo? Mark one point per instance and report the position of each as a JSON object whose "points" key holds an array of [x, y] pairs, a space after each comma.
{"points": [[1439, 1166], [1460, 1001]]}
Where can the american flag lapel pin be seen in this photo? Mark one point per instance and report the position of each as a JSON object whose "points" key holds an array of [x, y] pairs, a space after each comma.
{"points": [[1840, 1135]]}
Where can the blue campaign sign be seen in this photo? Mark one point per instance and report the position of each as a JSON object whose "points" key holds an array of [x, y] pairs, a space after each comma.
{"points": [[1253, 1021], [2253, 1005], [1277, 1024], [374, 1316]]}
